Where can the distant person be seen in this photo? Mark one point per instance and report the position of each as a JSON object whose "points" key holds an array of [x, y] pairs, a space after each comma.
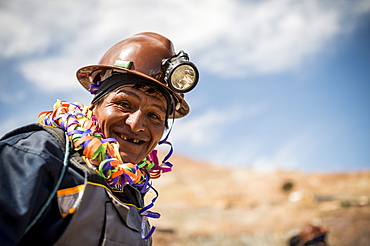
{"points": [[79, 176], [310, 235]]}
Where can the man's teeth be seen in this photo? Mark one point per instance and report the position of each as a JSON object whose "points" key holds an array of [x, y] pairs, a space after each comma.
{"points": [[126, 139]]}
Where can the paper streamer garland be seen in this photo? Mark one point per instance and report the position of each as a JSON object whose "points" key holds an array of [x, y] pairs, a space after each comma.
{"points": [[101, 154]]}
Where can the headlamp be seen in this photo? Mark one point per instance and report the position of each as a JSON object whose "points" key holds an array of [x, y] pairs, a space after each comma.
{"points": [[180, 74]]}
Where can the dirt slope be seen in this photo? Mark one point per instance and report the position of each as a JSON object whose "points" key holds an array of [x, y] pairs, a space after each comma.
{"points": [[203, 204]]}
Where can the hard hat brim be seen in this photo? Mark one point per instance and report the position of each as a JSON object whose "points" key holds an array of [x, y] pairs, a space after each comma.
{"points": [[83, 75]]}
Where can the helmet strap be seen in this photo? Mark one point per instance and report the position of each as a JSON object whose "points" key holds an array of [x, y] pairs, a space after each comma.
{"points": [[165, 141]]}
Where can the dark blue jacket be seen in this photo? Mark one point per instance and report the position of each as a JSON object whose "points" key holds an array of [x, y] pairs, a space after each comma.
{"points": [[31, 162]]}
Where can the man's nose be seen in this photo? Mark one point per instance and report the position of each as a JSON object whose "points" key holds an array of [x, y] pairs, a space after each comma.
{"points": [[136, 121]]}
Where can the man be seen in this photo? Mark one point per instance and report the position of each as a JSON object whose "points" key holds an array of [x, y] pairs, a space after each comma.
{"points": [[310, 235], [80, 175]]}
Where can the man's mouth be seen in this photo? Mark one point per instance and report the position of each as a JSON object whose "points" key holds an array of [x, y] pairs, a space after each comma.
{"points": [[132, 140]]}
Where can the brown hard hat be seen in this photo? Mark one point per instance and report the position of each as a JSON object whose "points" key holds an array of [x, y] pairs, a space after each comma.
{"points": [[141, 54]]}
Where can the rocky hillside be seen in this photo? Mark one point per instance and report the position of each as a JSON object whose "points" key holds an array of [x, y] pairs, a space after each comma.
{"points": [[203, 204]]}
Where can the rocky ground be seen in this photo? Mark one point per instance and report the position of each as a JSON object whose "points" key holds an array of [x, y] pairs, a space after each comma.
{"points": [[201, 204]]}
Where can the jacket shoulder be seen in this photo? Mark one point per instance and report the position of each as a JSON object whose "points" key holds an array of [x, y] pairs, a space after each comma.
{"points": [[36, 139]]}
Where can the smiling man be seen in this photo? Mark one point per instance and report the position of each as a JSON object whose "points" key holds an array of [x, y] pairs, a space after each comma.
{"points": [[135, 118], [79, 176]]}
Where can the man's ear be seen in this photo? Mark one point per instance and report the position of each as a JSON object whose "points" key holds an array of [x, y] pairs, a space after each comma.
{"points": [[92, 107]]}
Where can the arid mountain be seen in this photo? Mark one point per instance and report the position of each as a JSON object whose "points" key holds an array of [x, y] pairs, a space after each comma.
{"points": [[202, 204]]}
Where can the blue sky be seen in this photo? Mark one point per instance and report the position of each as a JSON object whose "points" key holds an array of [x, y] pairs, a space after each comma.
{"points": [[284, 84]]}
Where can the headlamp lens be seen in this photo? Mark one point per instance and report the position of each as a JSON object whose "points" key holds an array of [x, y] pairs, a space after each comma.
{"points": [[183, 78]]}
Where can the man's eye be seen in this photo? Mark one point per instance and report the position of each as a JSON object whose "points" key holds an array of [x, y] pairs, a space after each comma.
{"points": [[124, 104], [155, 116]]}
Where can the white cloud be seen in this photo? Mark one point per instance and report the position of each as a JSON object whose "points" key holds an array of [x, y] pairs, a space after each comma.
{"points": [[8, 98], [295, 152], [209, 127], [246, 37], [272, 36], [51, 74], [204, 129], [13, 122]]}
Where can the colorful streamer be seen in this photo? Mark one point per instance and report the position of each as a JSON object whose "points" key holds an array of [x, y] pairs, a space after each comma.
{"points": [[101, 154]]}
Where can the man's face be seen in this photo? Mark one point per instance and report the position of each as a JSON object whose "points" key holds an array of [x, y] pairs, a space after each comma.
{"points": [[135, 119]]}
